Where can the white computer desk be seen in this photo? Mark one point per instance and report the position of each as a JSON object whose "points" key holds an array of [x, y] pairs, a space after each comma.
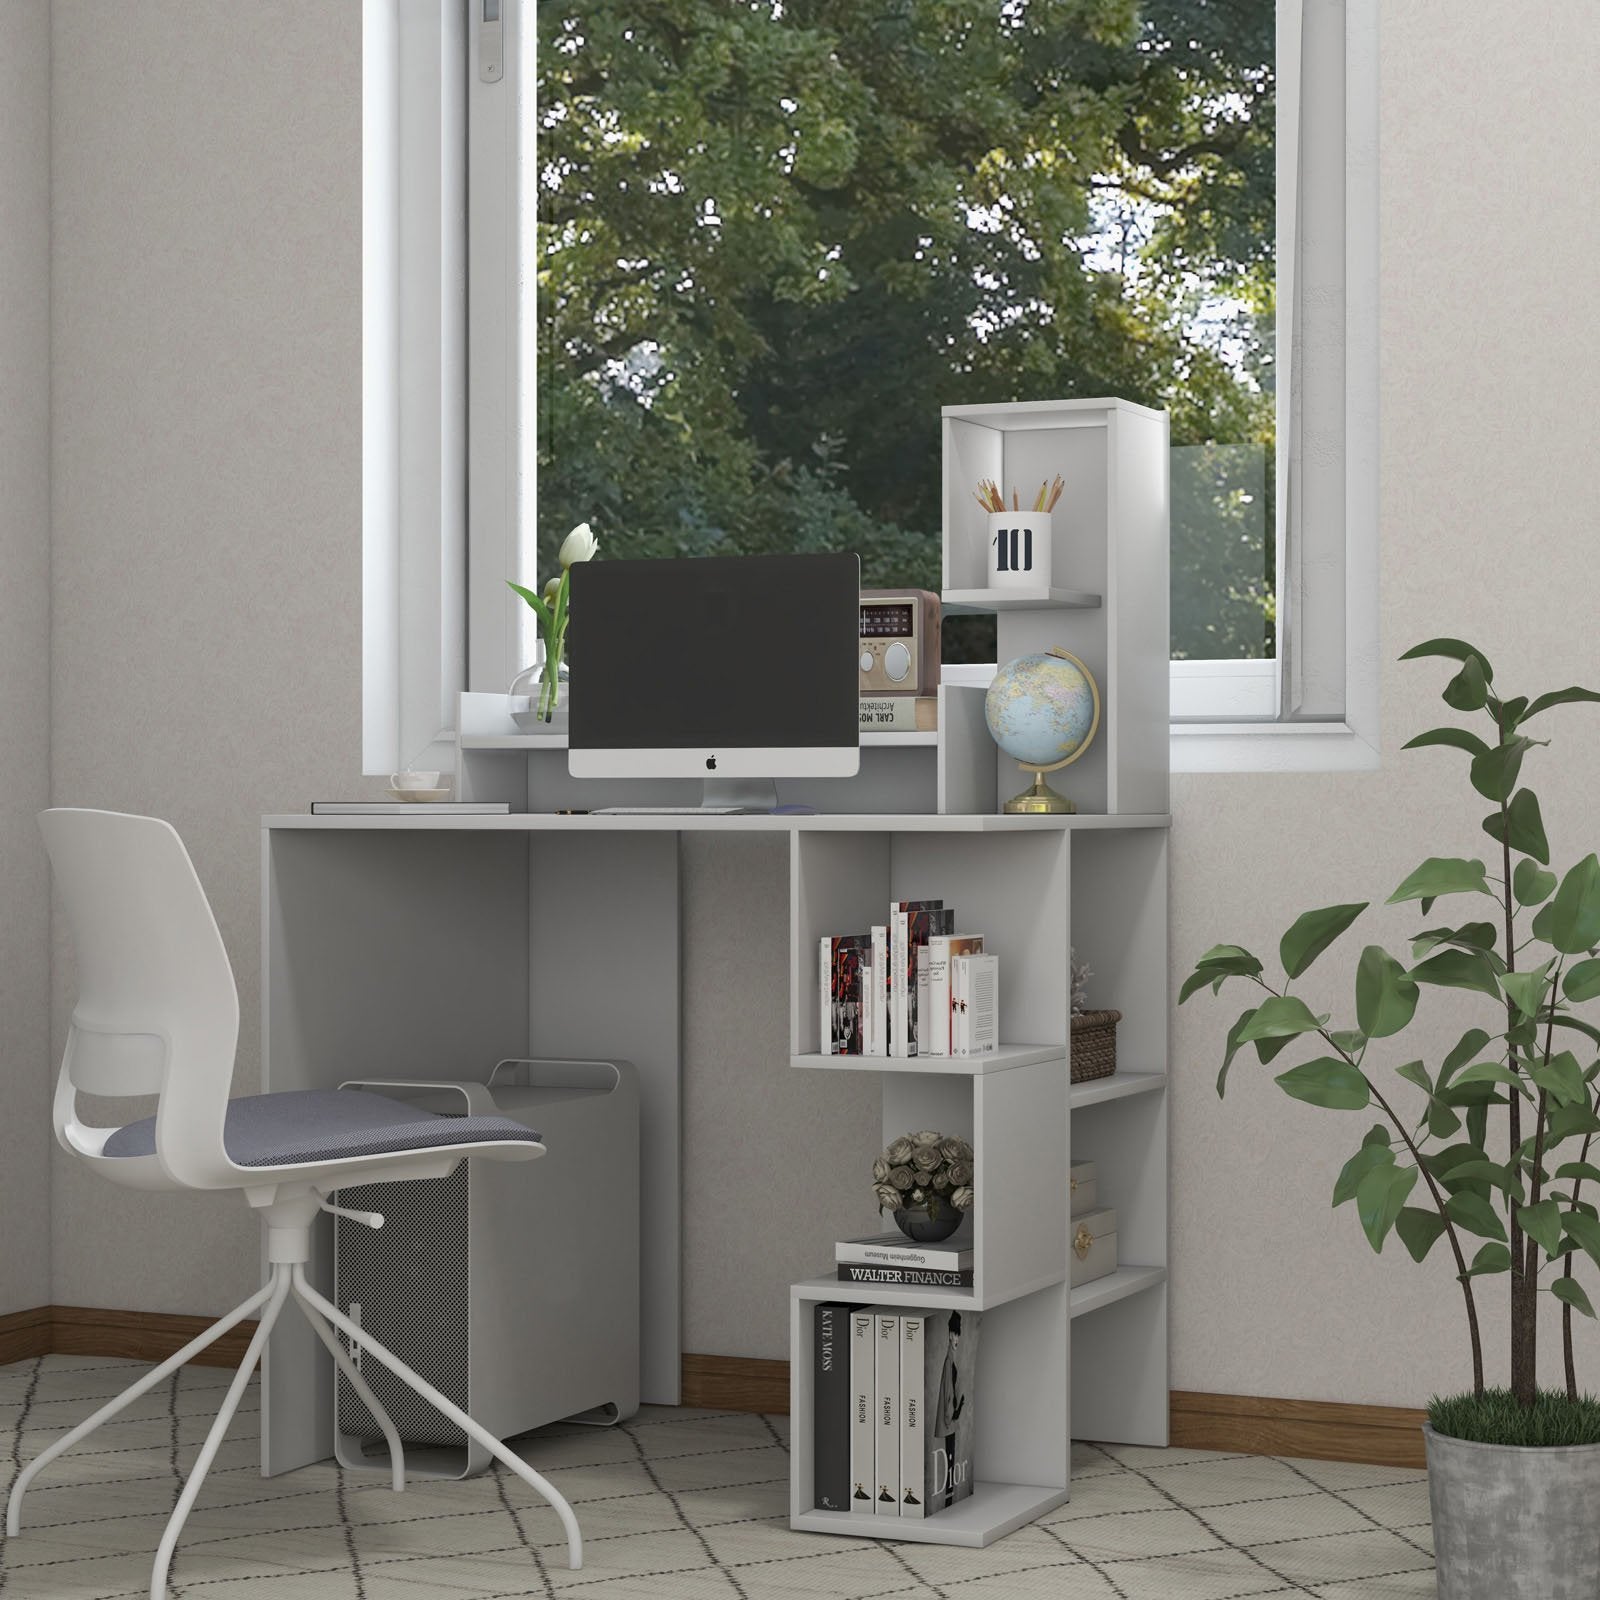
{"points": [[433, 945]]}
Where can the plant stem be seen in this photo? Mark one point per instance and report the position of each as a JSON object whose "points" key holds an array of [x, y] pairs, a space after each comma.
{"points": [[1566, 1309], [1524, 1290]]}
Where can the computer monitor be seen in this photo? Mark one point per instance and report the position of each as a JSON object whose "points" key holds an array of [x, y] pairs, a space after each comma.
{"points": [[723, 668]]}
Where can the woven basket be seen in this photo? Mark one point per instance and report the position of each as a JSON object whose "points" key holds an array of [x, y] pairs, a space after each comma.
{"points": [[1094, 1044]]}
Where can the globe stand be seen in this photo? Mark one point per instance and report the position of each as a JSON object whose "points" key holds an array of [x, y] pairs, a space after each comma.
{"points": [[1041, 800]]}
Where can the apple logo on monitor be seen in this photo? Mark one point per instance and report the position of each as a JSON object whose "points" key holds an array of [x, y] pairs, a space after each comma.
{"points": [[711, 763]]}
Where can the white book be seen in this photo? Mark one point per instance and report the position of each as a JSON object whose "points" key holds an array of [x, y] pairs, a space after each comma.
{"points": [[899, 1025], [975, 987], [913, 1424], [825, 988], [934, 1025], [895, 1250], [922, 999], [868, 1045], [878, 1004], [886, 1411], [863, 1386]]}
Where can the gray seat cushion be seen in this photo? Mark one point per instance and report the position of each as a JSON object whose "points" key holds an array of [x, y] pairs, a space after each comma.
{"points": [[274, 1130]]}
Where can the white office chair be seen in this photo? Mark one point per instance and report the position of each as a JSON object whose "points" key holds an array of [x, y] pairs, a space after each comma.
{"points": [[157, 1013]]}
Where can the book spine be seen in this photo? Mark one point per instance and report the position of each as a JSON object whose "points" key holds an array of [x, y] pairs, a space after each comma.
{"points": [[983, 1004], [913, 1418], [868, 1047], [934, 1039], [958, 1006], [898, 925], [825, 985], [880, 978], [923, 978], [863, 1386], [830, 1421], [886, 1412], [866, 1253], [906, 1277]]}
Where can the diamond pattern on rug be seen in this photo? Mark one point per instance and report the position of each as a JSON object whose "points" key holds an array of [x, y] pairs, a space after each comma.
{"points": [[675, 1504]]}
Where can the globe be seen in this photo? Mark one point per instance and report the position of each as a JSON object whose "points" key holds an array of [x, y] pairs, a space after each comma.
{"points": [[1043, 710]]}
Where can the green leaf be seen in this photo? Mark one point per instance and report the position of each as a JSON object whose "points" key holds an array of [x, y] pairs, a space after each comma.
{"points": [[1563, 1020], [1478, 1125], [1582, 981], [540, 609], [1220, 962], [1235, 1043], [1559, 697], [1542, 1224], [1476, 1215], [1460, 738], [1472, 1095], [1575, 911], [1351, 1040], [1386, 998], [1368, 1157], [1561, 1078], [1327, 1082], [1521, 825], [1443, 1123], [1584, 1231], [1459, 969], [1494, 773], [1313, 933], [1491, 1258], [1526, 990], [1197, 979], [1379, 1198], [1418, 1230], [1579, 1170], [1531, 884], [1567, 1122], [1284, 1015], [1415, 1072], [1466, 1047], [1490, 1072], [1571, 1291], [1453, 649], [1469, 936], [1512, 712], [1442, 875], [1268, 1050], [1469, 689]]}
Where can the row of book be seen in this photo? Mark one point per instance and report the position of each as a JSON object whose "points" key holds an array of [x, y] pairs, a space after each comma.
{"points": [[911, 986], [893, 1408], [892, 1258]]}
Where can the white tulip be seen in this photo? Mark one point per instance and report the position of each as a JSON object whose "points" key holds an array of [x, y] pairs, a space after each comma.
{"points": [[579, 545], [551, 589]]}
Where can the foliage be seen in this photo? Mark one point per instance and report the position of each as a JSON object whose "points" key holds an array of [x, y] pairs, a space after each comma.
{"points": [[774, 240], [1495, 1155], [1495, 1417]]}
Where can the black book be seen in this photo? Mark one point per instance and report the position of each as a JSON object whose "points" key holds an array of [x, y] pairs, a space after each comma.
{"points": [[916, 1277], [830, 1426]]}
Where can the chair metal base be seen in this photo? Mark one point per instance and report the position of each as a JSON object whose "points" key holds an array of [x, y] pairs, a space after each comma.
{"points": [[287, 1281]]}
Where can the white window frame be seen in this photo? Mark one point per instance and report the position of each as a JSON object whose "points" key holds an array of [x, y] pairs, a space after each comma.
{"points": [[450, 470]]}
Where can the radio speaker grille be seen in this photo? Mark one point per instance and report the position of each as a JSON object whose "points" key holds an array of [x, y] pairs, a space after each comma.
{"points": [[409, 1279]]}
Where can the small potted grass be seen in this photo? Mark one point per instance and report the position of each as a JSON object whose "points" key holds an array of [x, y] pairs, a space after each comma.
{"points": [[1491, 1156]]}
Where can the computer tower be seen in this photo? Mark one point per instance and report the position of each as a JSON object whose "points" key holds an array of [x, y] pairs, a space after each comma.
{"points": [[511, 1286]]}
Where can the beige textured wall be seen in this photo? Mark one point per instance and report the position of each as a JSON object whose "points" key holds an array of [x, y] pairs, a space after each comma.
{"points": [[207, 526], [24, 649], [207, 479], [1490, 231]]}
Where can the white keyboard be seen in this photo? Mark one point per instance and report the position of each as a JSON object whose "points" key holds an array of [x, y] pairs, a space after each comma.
{"points": [[668, 811]]}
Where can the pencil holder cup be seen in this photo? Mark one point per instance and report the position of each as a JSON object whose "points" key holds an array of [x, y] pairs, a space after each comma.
{"points": [[1019, 549]]}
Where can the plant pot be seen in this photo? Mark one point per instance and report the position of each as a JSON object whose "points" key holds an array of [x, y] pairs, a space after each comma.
{"points": [[917, 1224], [1514, 1522]]}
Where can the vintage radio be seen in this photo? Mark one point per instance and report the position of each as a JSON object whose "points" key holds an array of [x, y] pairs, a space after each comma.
{"points": [[899, 642]]}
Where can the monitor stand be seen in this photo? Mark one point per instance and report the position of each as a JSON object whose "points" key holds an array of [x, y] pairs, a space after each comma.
{"points": [[748, 794]]}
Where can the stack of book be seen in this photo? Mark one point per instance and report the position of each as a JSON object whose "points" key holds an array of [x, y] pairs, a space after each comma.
{"points": [[887, 1258], [911, 986], [893, 1419]]}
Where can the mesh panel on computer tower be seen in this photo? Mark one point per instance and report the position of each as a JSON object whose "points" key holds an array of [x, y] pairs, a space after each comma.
{"points": [[412, 1299]]}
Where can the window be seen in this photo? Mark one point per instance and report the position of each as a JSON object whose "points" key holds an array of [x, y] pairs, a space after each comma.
{"points": [[762, 241]]}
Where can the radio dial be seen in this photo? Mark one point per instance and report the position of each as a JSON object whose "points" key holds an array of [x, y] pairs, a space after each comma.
{"points": [[897, 662], [866, 661]]}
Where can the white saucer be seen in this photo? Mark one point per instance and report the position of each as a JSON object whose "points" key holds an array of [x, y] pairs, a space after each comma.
{"points": [[418, 796]]}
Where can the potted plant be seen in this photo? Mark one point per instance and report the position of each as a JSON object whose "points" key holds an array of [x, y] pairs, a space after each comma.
{"points": [[1490, 1159], [926, 1180], [542, 682]]}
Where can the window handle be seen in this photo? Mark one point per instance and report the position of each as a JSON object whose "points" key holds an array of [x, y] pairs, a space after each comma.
{"points": [[490, 48]]}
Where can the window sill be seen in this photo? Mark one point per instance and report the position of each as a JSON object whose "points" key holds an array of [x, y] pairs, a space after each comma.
{"points": [[1270, 747]]}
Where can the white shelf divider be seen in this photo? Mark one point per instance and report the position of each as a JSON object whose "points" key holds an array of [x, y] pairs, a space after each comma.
{"points": [[1113, 1287], [990, 1512], [1119, 1086]]}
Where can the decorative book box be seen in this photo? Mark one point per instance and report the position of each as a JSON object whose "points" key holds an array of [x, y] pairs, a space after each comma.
{"points": [[1080, 1186], [1094, 1044], [1094, 1246]]}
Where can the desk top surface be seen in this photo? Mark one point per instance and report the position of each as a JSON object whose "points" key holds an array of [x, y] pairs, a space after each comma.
{"points": [[422, 820]]}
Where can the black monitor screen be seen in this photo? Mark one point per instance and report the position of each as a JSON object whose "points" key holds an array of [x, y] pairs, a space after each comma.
{"points": [[720, 650]]}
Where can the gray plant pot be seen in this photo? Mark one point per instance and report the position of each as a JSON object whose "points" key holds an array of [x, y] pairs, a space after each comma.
{"points": [[1512, 1522]]}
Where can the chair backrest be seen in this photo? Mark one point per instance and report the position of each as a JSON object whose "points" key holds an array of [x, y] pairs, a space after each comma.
{"points": [[156, 1011]]}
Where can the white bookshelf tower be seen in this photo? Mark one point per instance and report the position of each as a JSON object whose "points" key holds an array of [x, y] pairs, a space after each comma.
{"points": [[1053, 1363]]}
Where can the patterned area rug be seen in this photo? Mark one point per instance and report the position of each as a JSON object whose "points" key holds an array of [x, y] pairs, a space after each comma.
{"points": [[675, 1505]]}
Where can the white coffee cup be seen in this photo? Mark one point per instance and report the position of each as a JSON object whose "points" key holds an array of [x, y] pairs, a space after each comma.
{"points": [[413, 780]]}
